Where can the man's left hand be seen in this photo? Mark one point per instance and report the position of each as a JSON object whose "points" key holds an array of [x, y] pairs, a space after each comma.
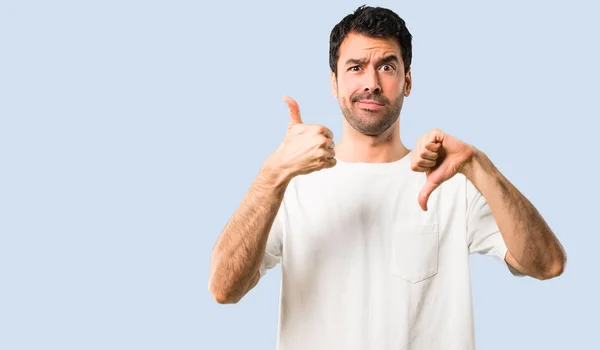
{"points": [[440, 156]]}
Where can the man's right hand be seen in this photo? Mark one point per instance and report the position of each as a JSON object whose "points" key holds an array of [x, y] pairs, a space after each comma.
{"points": [[240, 248], [306, 148]]}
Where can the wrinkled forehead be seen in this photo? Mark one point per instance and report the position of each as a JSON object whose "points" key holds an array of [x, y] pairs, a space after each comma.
{"points": [[357, 46]]}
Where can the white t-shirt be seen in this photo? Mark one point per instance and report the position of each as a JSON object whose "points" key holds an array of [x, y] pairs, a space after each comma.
{"points": [[363, 267]]}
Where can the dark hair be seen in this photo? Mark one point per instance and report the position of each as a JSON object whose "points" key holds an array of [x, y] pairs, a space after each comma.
{"points": [[374, 22]]}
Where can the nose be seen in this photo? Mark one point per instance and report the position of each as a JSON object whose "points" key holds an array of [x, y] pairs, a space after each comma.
{"points": [[371, 83]]}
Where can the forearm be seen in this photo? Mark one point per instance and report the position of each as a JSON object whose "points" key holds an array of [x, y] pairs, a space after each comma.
{"points": [[528, 237], [240, 247]]}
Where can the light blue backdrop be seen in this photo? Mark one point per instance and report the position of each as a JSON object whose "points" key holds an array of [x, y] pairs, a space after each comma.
{"points": [[130, 131]]}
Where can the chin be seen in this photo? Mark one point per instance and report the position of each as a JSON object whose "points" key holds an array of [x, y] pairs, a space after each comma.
{"points": [[370, 129]]}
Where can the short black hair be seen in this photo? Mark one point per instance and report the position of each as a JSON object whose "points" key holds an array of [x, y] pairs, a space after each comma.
{"points": [[375, 22]]}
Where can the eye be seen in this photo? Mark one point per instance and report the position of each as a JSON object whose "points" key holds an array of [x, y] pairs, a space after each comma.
{"points": [[387, 68], [354, 68]]}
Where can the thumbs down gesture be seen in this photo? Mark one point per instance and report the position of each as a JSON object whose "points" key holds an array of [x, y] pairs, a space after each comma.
{"points": [[440, 156]]}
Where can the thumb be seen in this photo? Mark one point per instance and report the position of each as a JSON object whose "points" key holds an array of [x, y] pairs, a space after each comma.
{"points": [[426, 191], [294, 110]]}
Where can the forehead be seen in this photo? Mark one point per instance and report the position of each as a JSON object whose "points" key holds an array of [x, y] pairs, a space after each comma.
{"points": [[357, 45]]}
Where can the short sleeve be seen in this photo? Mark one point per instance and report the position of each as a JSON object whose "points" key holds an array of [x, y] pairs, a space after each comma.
{"points": [[273, 249], [483, 234]]}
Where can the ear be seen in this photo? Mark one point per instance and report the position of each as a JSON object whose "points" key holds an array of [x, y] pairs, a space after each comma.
{"points": [[407, 83], [333, 84]]}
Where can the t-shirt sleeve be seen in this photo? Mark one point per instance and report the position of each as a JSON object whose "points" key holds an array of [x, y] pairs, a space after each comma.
{"points": [[483, 234], [273, 249]]}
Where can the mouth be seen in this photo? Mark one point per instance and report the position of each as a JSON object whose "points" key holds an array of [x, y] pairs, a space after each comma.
{"points": [[369, 104]]}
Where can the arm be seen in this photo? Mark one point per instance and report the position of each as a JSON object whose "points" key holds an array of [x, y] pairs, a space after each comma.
{"points": [[240, 248], [533, 248]]}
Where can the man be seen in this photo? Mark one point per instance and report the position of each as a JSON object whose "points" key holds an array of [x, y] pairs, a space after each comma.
{"points": [[374, 239]]}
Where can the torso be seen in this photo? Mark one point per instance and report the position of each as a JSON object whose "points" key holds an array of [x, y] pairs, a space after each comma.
{"points": [[363, 267]]}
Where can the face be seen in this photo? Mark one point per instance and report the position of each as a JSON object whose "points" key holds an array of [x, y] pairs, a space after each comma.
{"points": [[371, 82]]}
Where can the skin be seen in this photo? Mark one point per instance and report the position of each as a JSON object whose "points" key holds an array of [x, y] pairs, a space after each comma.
{"points": [[372, 69], [533, 249], [240, 247], [365, 69]]}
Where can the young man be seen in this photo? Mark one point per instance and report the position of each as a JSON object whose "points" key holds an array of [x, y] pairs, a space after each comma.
{"points": [[374, 239]]}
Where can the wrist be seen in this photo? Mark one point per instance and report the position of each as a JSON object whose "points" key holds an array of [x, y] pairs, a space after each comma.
{"points": [[472, 165], [274, 172], [478, 167]]}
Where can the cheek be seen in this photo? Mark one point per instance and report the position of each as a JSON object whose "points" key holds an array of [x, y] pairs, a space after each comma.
{"points": [[347, 88], [393, 85]]}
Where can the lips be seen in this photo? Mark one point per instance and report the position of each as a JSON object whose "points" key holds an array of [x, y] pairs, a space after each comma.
{"points": [[369, 105], [370, 102]]}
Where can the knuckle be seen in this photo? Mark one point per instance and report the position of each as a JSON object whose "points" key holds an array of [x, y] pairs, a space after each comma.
{"points": [[319, 153], [319, 141], [323, 130]]}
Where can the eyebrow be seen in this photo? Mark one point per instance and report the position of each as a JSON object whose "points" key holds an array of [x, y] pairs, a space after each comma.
{"points": [[359, 61], [389, 59]]}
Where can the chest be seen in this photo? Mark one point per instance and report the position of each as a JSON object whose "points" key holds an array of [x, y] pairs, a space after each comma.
{"points": [[372, 223], [361, 207]]}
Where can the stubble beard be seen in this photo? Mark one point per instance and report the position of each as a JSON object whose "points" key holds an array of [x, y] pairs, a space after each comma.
{"points": [[367, 122]]}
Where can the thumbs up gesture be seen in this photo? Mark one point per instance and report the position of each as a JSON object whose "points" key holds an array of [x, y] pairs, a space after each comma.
{"points": [[306, 148], [440, 156]]}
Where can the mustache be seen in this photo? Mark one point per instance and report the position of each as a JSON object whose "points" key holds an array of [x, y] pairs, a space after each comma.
{"points": [[370, 96]]}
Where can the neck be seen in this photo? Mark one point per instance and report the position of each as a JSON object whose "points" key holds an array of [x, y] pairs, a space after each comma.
{"points": [[357, 147]]}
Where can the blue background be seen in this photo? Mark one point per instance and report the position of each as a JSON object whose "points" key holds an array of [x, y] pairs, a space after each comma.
{"points": [[130, 131]]}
